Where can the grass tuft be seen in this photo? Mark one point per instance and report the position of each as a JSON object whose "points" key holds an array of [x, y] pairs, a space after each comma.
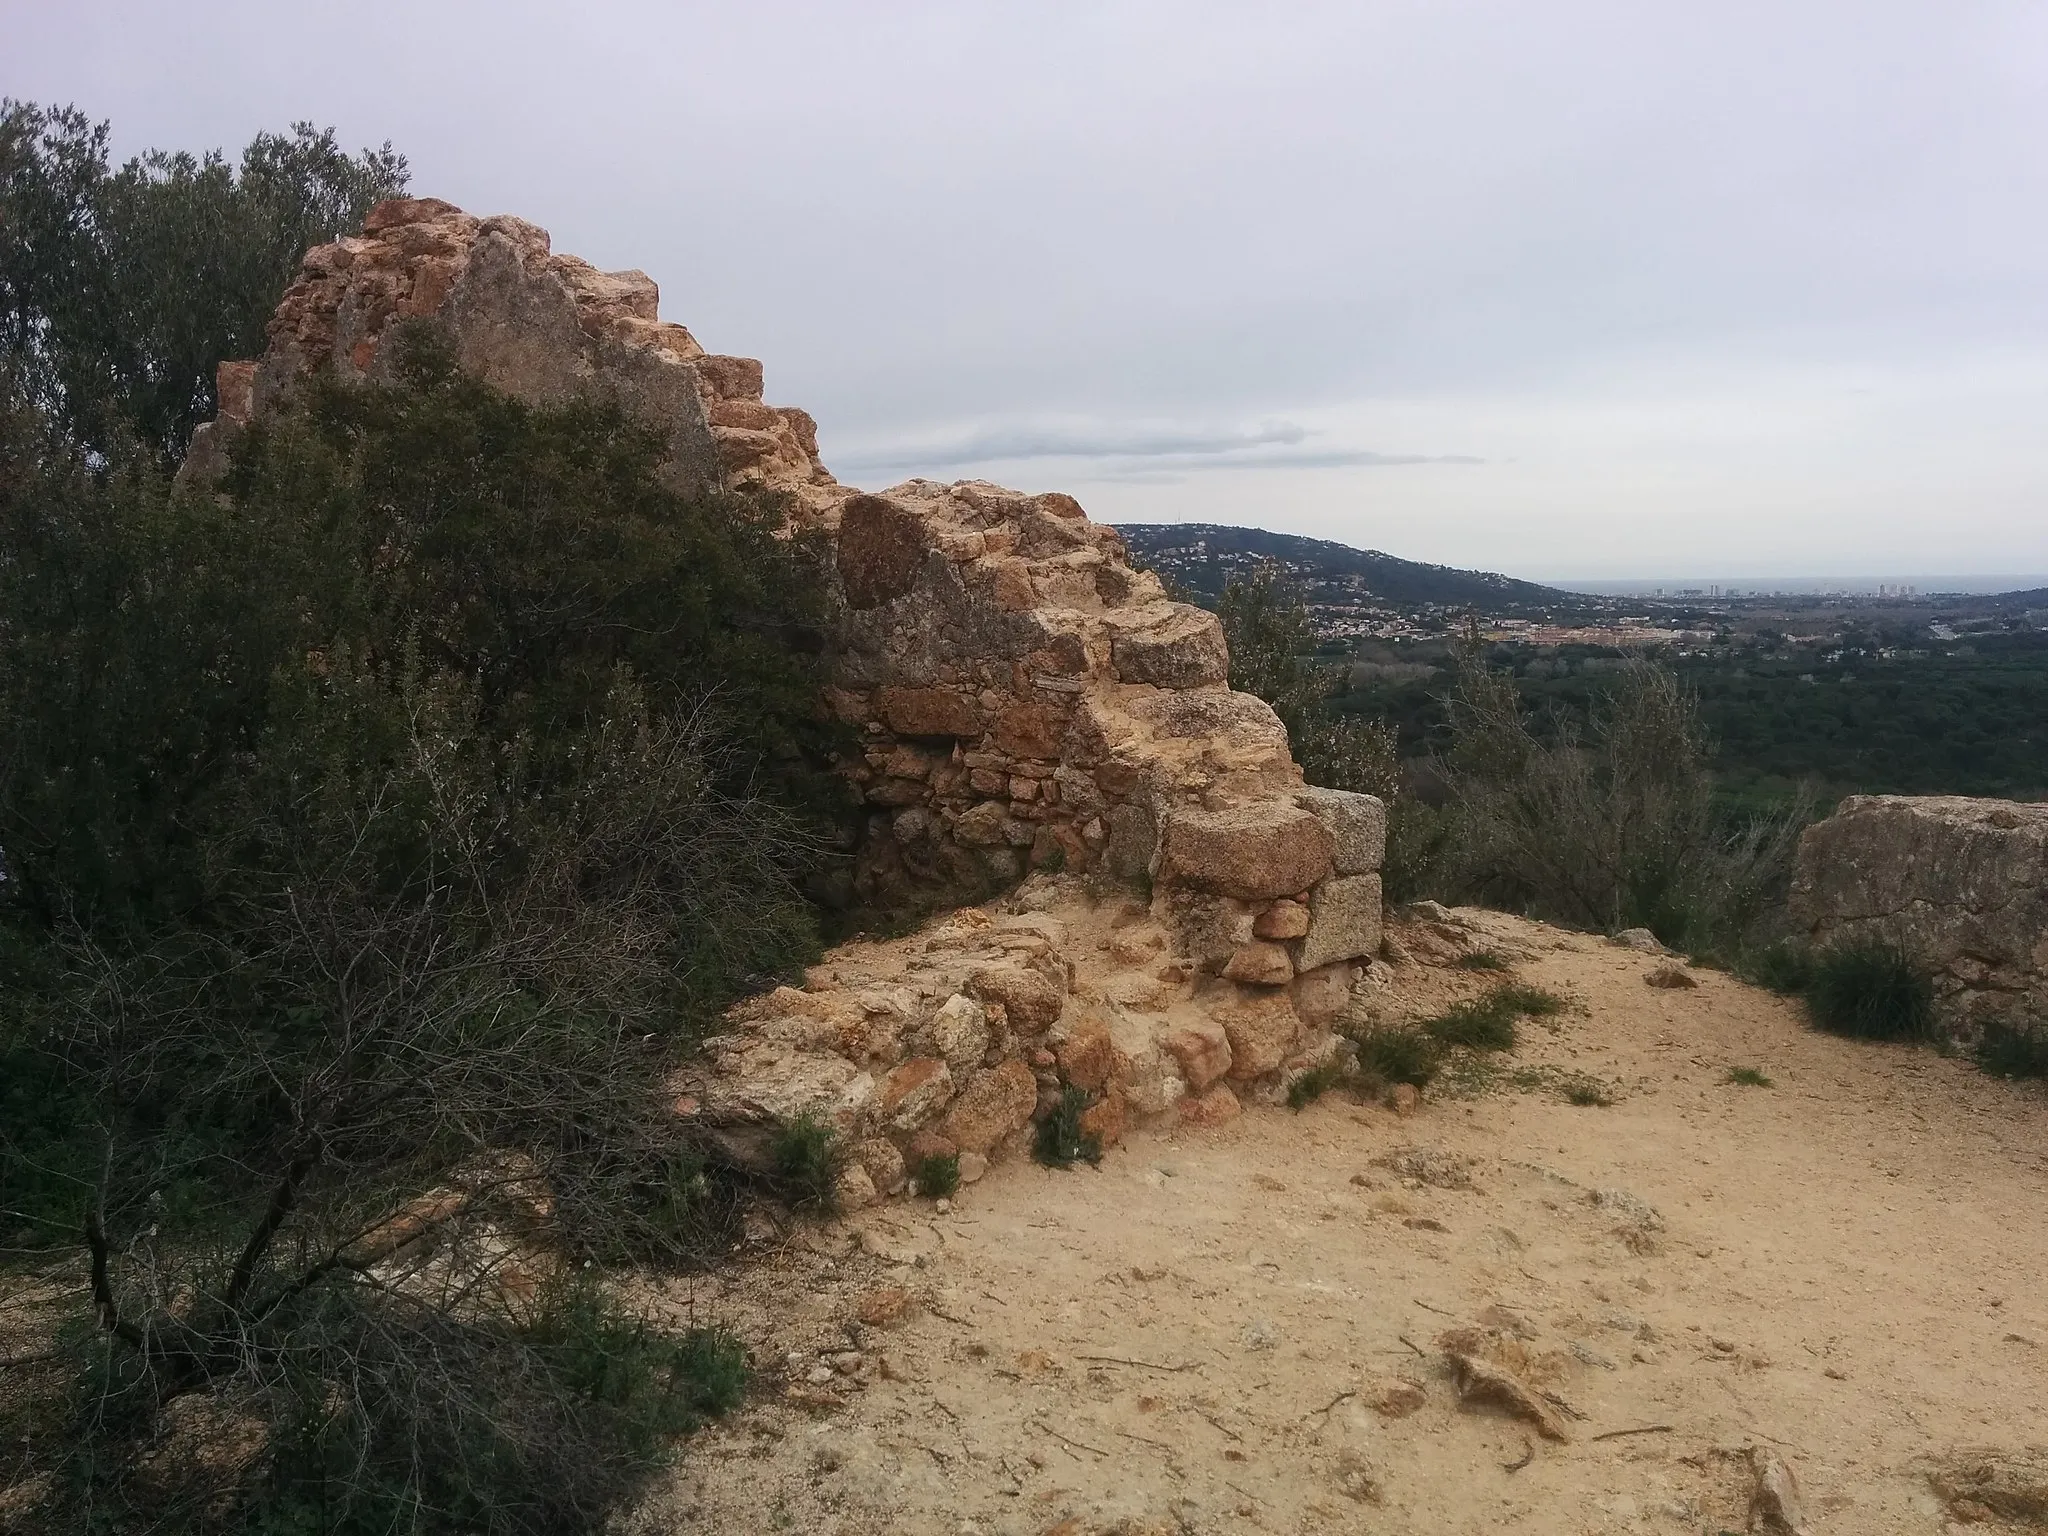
{"points": [[1586, 1092], [1870, 991], [1061, 1141], [1488, 1023], [1398, 1056], [1748, 1077], [1482, 960], [937, 1174], [1783, 968], [2014, 1050], [1311, 1085], [806, 1157]]}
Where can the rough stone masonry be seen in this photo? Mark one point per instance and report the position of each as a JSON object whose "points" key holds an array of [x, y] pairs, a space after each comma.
{"points": [[1960, 884], [1026, 700]]}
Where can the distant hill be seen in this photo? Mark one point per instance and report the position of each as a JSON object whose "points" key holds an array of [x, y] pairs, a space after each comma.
{"points": [[1203, 556]]}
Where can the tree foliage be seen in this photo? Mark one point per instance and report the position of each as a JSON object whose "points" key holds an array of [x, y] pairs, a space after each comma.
{"points": [[1272, 655], [121, 289], [377, 830]]}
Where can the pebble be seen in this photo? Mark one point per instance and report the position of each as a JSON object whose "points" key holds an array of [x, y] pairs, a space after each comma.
{"points": [[942, 1205]]}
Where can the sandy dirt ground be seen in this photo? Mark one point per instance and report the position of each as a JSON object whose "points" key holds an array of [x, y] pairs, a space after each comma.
{"points": [[1230, 1330]]}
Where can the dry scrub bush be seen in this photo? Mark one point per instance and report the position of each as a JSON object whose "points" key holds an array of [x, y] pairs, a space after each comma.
{"points": [[374, 850]]}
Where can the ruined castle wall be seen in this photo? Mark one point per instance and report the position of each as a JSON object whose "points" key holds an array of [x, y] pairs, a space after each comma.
{"points": [[1025, 701], [1960, 884]]}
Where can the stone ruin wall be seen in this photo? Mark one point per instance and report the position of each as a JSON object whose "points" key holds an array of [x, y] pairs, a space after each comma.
{"points": [[1960, 884], [1025, 699]]}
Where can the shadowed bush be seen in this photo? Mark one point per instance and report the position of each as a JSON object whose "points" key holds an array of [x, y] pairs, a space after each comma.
{"points": [[2014, 1050], [1783, 967], [1061, 1142], [806, 1156], [1870, 991]]}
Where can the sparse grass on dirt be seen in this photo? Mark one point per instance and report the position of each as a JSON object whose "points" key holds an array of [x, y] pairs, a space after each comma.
{"points": [[1061, 1141], [1395, 1055], [1748, 1077], [1870, 991], [1482, 960], [2014, 1050], [1586, 1092], [937, 1175], [1488, 1023]]}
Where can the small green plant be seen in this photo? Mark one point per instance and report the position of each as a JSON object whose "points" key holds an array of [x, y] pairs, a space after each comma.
{"points": [[1531, 1001], [1398, 1056], [1586, 1092], [937, 1174], [1870, 991], [1480, 1024], [2013, 1050], [1482, 960], [1061, 1141], [1488, 1023], [1311, 1085], [1748, 1077], [1054, 862], [806, 1156], [1783, 968]]}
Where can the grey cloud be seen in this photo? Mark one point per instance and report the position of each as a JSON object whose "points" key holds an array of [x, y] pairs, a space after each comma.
{"points": [[1002, 445]]}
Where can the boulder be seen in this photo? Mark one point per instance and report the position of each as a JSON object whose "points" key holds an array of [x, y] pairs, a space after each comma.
{"points": [[992, 1106], [1184, 649], [1254, 852], [1357, 823], [1030, 1000], [914, 1093], [959, 1033], [1262, 1028], [1282, 920], [1344, 921], [1202, 1049], [1260, 964]]}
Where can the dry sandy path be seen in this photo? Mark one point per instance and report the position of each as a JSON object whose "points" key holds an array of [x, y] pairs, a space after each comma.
{"points": [[1191, 1338]]}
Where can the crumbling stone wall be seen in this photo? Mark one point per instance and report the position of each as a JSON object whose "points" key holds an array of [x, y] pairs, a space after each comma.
{"points": [[1960, 884], [1026, 700]]}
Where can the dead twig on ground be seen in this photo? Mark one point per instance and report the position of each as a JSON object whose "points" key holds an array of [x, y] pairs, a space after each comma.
{"points": [[1063, 1440], [1640, 1429], [1143, 1365]]}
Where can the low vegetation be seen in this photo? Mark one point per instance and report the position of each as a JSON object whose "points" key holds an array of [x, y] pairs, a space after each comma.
{"points": [[806, 1156], [937, 1175], [2014, 1050], [374, 848], [1748, 1077], [1869, 990], [1388, 1054], [1060, 1141]]}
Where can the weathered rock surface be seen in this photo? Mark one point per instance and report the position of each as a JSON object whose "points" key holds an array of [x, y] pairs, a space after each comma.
{"points": [[1960, 884]]}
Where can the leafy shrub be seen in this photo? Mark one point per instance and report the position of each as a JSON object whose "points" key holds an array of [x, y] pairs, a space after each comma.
{"points": [[1061, 1142], [1272, 643], [806, 1156], [1871, 991], [2013, 1050], [1748, 1077], [1616, 828], [1393, 1055], [367, 829], [937, 1174]]}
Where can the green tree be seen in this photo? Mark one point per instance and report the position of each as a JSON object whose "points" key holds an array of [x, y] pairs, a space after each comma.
{"points": [[386, 821], [122, 289], [1272, 654]]}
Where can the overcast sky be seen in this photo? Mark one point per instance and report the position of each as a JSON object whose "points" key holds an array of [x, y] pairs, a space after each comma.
{"points": [[1559, 288]]}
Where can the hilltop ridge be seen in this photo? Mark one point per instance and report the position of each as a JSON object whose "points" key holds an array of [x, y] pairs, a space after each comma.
{"points": [[1201, 557]]}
